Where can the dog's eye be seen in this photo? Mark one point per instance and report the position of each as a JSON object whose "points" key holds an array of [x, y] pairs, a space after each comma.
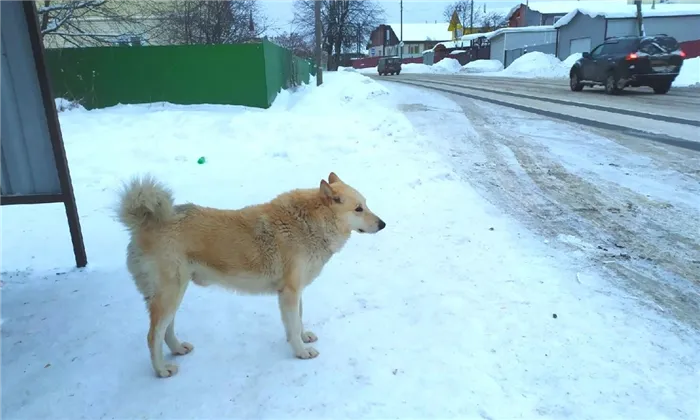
{"points": [[337, 200], [358, 208]]}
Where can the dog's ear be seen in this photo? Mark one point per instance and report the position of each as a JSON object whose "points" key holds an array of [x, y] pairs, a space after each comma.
{"points": [[333, 178], [327, 192], [326, 189]]}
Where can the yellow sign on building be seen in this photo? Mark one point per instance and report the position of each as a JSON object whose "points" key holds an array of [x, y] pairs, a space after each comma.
{"points": [[455, 26]]}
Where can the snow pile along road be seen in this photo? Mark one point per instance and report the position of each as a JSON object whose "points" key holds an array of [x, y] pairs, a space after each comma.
{"points": [[571, 60], [444, 66], [690, 73], [531, 65], [483, 66], [447, 65], [535, 65]]}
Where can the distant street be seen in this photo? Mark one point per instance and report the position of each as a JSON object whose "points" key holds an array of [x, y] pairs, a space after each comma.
{"points": [[670, 118]]}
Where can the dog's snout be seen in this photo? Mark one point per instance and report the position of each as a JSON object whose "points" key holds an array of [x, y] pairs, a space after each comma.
{"points": [[381, 224]]}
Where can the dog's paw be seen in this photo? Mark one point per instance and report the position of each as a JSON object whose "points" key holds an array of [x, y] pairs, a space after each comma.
{"points": [[308, 337], [184, 348], [307, 353], [167, 371]]}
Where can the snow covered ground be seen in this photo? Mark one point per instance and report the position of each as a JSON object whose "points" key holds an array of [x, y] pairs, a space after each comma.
{"points": [[454, 310], [690, 73], [483, 66]]}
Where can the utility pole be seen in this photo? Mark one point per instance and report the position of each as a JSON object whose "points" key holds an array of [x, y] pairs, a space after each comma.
{"points": [[401, 40], [471, 18], [319, 57], [640, 23]]}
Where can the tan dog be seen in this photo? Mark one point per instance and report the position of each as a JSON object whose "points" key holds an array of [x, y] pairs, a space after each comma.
{"points": [[277, 247]]}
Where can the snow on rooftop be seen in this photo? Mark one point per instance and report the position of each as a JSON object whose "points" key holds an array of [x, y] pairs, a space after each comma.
{"points": [[422, 31], [461, 43], [553, 7], [620, 11]]}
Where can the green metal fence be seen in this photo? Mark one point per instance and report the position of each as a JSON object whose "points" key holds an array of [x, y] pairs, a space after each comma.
{"points": [[240, 74]]}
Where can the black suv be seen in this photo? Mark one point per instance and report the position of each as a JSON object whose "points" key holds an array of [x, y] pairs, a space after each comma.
{"points": [[635, 61]]}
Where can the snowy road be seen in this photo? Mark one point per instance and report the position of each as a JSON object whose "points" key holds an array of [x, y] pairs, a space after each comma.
{"points": [[630, 206], [670, 119]]}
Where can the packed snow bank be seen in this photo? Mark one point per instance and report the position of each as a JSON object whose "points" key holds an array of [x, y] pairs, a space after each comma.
{"points": [[690, 73], [536, 64], [444, 66], [483, 66], [571, 60], [378, 308], [447, 65], [63, 104]]}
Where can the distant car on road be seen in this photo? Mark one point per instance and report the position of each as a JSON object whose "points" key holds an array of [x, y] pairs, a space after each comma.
{"points": [[389, 65], [635, 61]]}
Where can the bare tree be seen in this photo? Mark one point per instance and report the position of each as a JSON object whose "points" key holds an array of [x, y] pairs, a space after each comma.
{"points": [[345, 24], [493, 20], [468, 17], [299, 45], [211, 22], [91, 22]]}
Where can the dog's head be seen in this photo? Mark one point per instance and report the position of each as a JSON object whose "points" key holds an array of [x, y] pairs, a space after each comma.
{"points": [[350, 206]]}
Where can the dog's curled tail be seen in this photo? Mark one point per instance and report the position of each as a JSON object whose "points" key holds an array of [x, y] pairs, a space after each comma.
{"points": [[145, 203]]}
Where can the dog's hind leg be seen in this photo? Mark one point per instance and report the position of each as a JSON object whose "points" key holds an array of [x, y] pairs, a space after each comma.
{"points": [[306, 336], [162, 308]]}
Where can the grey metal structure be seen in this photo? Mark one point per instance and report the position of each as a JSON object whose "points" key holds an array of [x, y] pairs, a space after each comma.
{"points": [[580, 28], [33, 158], [507, 44], [583, 32]]}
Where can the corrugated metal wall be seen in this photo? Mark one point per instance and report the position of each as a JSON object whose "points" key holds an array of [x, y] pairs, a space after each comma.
{"points": [[581, 26], [528, 39], [683, 28], [28, 164], [498, 48]]}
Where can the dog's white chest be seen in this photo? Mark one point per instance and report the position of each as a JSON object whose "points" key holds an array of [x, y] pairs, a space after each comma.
{"points": [[312, 267]]}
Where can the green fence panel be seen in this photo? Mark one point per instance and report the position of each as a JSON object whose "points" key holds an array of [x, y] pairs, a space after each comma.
{"points": [[276, 63], [283, 70], [241, 74], [192, 74]]}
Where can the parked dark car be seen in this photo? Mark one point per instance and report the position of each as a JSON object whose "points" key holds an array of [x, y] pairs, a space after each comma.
{"points": [[389, 65], [635, 61]]}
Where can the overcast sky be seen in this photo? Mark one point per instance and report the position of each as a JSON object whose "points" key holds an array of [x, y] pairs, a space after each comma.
{"points": [[281, 12]]}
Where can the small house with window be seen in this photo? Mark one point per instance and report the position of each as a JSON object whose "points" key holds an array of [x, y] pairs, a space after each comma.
{"points": [[544, 13], [417, 37]]}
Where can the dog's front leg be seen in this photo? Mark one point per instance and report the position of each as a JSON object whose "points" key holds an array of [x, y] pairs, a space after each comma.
{"points": [[306, 336], [290, 305]]}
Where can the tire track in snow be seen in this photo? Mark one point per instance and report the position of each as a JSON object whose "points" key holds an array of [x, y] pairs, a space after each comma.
{"points": [[648, 245]]}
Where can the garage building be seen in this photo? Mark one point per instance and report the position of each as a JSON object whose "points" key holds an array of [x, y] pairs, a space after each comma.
{"points": [[583, 29], [507, 44]]}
